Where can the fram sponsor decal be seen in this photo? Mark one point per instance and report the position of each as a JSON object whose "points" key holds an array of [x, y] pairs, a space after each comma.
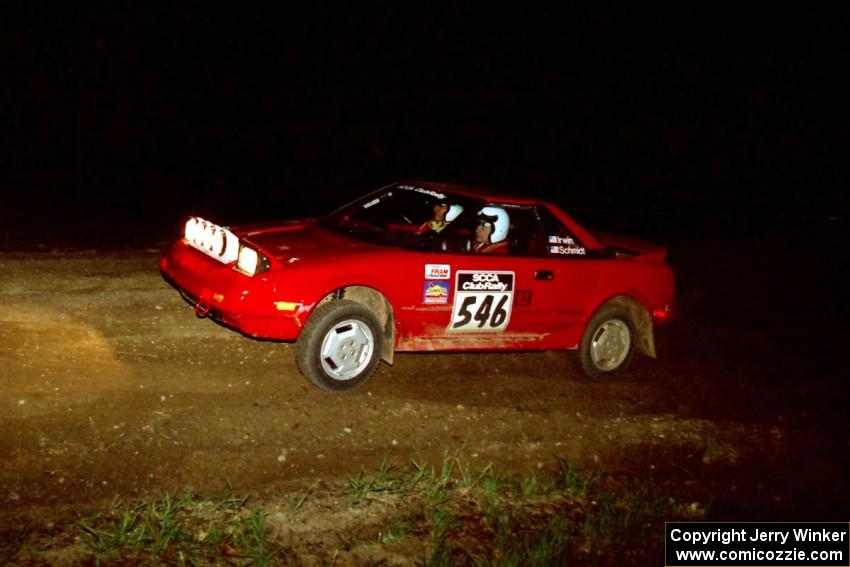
{"points": [[438, 271], [435, 293]]}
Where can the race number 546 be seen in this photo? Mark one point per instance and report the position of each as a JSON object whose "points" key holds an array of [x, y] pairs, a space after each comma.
{"points": [[482, 302]]}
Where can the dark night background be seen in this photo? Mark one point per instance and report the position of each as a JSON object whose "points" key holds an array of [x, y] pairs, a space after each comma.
{"points": [[716, 128]]}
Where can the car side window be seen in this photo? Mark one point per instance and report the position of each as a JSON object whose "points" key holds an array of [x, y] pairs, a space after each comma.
{"points": [[523, 235], [558, 241], [526, 233]]}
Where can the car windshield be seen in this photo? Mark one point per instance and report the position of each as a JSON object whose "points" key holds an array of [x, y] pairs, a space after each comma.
{"points": [[402, 215]]}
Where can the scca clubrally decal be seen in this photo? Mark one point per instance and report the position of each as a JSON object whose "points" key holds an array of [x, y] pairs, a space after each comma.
{"points": [[482, 301]]}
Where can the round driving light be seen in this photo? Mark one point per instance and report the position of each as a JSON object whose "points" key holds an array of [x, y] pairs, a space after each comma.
{"points": [[231, 247], [191, 229], [198, 232], [207, 235], [218, 242]]}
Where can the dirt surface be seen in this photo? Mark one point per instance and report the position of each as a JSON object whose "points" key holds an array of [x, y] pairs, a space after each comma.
{"points": [[112, 387]]}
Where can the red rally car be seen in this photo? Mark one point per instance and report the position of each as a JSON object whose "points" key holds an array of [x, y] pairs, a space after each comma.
{"points": [[419, 266]]}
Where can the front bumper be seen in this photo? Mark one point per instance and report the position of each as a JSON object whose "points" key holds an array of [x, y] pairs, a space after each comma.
{"points": [[246, 304]]}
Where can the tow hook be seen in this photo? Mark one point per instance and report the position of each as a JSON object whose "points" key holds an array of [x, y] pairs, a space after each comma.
{"points": [[202, 309]]}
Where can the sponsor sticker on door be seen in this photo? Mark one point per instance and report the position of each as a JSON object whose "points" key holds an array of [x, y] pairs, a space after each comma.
{"points": [[435, 293], [438, 271]]}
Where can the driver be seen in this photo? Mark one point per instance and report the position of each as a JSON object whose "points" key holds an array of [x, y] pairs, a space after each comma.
{"points": [[443, 215], [492, 231]]}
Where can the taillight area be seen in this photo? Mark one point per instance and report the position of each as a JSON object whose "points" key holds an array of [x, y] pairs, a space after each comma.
{"points": [[664, 315]]}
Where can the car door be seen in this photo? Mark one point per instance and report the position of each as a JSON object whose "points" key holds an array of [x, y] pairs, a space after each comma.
{"points": [[467, 304], [565, 276], [516, 300]]}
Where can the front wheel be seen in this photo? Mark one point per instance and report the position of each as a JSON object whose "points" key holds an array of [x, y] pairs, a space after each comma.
{"points": [[338, 348], [608, 344]]}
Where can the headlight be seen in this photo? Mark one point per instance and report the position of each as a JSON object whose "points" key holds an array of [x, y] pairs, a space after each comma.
{"points": [[248, 259], [251, 262]]}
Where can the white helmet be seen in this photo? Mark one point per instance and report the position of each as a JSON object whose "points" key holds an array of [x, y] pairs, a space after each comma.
{"points": [[498, 219], [453, 212]]}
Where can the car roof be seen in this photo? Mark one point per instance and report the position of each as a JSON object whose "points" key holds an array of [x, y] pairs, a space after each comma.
{"points": [[483, 193]]}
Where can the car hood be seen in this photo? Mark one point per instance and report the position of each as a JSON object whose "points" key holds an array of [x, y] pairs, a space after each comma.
{"points": [[301, 239]]}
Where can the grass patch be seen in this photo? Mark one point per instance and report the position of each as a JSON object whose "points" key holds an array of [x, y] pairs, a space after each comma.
{"points": [[443, 513], [486, 517], [179, 530], [469, 516]]}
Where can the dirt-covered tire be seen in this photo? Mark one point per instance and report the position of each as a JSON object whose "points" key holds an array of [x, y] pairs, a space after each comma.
{"points": [[340, 346], [608, 344]]}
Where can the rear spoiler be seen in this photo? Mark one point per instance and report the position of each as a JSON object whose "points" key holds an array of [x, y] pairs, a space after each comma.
{"points": [[641, 250]]}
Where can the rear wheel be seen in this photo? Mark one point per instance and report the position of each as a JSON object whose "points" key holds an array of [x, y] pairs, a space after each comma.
{"points": [[338, 348], [608, 344]]}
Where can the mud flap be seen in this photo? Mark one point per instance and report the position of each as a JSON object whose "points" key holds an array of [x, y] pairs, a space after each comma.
{"points": [[643, 325], [388, 348]]}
